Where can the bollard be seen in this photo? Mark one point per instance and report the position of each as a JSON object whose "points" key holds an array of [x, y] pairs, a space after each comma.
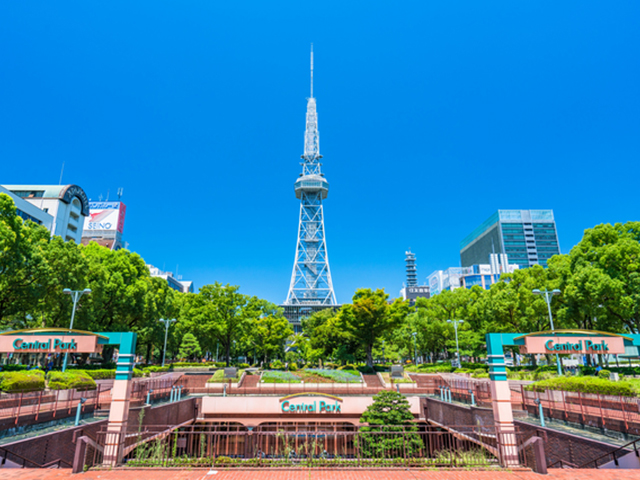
{"points": [[149, 397], [473, 401], [82, 400], [398, 387], [171, 396], [441, 396], [224, 391], [179, 392], [449, 393]]}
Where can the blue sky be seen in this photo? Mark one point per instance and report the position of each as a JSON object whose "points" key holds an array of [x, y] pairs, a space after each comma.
{"points": [[432, 116]]}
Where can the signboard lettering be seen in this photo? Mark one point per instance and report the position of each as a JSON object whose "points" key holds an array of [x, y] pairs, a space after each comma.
{"points": [[322, 407]]}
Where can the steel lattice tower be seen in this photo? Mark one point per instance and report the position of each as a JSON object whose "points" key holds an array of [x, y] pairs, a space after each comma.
{"points": [[311, 283]]}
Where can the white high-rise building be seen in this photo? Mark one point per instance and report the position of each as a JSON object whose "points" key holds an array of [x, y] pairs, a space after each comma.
{"points": [[68, 206]]}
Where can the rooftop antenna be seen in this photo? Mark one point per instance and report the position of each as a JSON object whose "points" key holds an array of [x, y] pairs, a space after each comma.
{"points": [[62, 170], [107, 196], [119, 193], [312, 70], [100, 197]]}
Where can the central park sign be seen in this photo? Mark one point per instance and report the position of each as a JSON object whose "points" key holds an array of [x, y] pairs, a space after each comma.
{"points": [[551, 343], [50, 341]]}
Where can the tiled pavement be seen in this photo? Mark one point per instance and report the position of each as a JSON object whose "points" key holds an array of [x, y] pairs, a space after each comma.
{"points": [[33, 474]]}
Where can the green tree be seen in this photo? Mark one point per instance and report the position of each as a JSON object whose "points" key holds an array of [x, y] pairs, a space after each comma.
{"points": [[190, 348], [601, 279], [267, 335], [370, 318], [219, 314], [24, 272], [390, 417]]}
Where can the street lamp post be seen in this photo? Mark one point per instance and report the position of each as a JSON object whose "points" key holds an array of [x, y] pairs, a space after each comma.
{"points": [[548, 296], [75, 295], [455, 327], [166, 322], [415, 350]]}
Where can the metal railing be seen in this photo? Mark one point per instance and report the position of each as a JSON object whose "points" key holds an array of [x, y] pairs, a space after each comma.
{"points": [[611, 412], [35, 407], [614, 455], [316, 445]]}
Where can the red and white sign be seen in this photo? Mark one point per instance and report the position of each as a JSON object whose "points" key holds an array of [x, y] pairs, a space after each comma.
{"points": [[107, 216]]}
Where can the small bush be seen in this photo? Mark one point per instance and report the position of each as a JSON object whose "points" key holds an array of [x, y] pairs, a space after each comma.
{"points": [[78, 380], [154, 369], [602, 386], [604, 374], [101, 374], [293, 366], [22, 381], [243, 365], [277, 365]]}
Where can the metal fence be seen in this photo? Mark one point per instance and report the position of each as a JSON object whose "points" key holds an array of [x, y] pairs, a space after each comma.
{"points": [[35, 407], [611, 412], [320, 445]]}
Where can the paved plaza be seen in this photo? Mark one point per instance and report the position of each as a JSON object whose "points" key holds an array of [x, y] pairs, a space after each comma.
{"points": [[303, 474]]}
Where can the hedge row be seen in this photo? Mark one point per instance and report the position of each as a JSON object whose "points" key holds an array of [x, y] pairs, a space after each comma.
{"points": [[70, 379], [585, 385], [22, 381]]}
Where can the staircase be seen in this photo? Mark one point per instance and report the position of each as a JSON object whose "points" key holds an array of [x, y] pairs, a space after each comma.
{"points": [[372, 381]]}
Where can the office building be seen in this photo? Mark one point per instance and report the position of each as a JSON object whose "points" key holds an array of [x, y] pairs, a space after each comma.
{"points": [[105, 225], [26, 211], [175, 283], [482, 275], [527, 237], [68, 205]]}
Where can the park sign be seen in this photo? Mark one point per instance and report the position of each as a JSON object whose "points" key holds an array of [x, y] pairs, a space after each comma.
{"points": [[52, 340], [573, 341], [288, 404]]}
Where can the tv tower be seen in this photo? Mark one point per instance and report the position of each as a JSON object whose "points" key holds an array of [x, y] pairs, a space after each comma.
{"points": [[311, 288]]}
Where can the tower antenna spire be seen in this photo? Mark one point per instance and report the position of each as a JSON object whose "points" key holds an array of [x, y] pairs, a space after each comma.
{"points": [[312, 70]]}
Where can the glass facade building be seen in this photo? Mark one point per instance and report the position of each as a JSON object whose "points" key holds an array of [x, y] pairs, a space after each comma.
{"points": [[527, 237]]}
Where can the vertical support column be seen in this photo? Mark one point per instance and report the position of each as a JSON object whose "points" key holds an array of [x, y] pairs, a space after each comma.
{"points": [[121, 394], [501, 402]]}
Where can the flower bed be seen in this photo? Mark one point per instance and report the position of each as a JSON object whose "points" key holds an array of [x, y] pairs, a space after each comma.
{"points": [[277, 376], [337, 376]]}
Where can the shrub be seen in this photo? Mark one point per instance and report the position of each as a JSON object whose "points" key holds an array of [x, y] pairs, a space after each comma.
{"points": [[479, 371], [243, 365], [293, 366], [154, 369], [277, 365], [604, 374], [71, 379], [602, 386], [22, 381], [348, 366], [366, 369], [101, 374], [138, 373]]}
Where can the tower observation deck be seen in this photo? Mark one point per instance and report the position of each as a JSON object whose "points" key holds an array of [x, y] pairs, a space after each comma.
{"points": [[311, 288]]}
